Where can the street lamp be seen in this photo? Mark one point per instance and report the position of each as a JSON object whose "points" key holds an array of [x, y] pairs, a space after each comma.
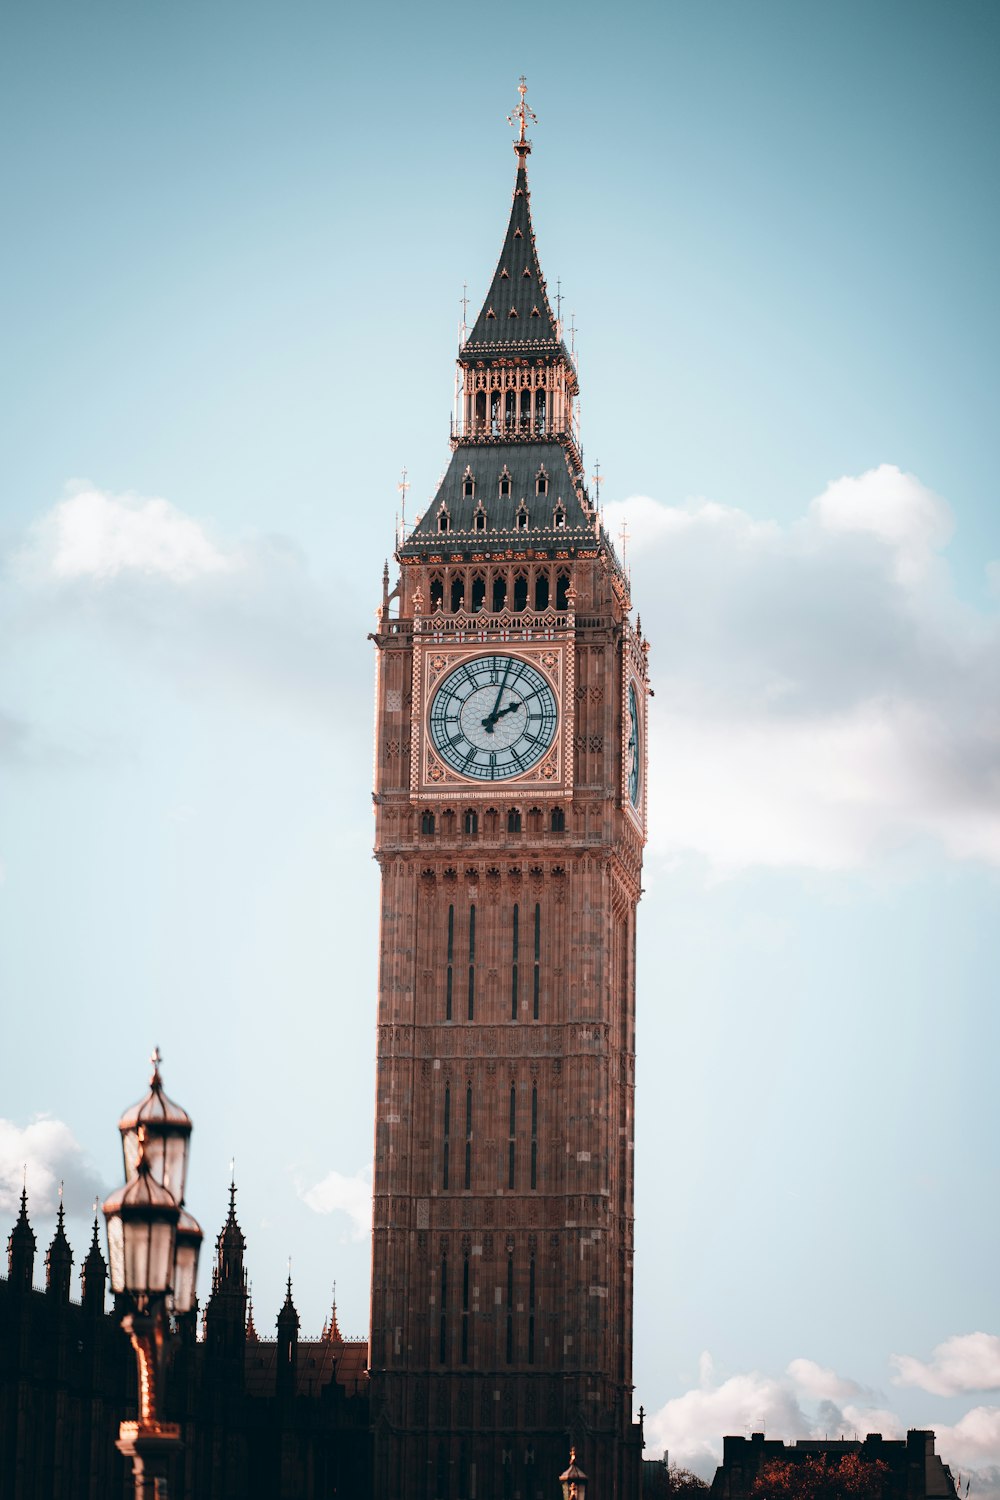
{"points": [[574, 1480], [153, 1246]]}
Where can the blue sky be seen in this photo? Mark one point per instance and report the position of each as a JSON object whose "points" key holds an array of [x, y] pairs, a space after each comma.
{"points": [[237, 238]]}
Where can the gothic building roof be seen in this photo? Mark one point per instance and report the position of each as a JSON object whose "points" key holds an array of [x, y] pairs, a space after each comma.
{"points": [[522, 463], [59, 1255], [516, 317]]}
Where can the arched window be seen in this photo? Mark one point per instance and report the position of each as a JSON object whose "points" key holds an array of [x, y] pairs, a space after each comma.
{"points": [[444, 520], [437, 594], [481, 410], [480, 519], [426, 822], [457, 595], [541, 590], [514, 947], [539, 411], [505, 478], [559, 518], [471, 823], [562, 591], [525, 411], [468, 485], [499, 592], [511, 1137], [520, 593], [521, 519], [514, 820], [510, 409], [534, 1135], [468, 1136], [495, 413], [541, 483], [449, 977], [558, 820], [447, 1136], [478, 592], [443, 1337]]}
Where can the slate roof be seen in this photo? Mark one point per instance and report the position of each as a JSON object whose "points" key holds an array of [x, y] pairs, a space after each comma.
{"points": [[487, 463], [516, 317]]}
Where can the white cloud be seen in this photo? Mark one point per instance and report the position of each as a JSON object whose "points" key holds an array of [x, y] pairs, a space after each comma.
{"points": [[820, 1384], [801, 1403], [92, 534], [351, 1196], [42, 1155], [221, 619], [822, 698], [911, 520], [973, 1441], [966, 1362]]}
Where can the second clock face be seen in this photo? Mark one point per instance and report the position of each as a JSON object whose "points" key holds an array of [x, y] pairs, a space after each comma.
{"points": [[493, 717]]}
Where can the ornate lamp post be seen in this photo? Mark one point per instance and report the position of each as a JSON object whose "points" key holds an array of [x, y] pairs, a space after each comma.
{"points": [[153, 1246], [574, 1480]]}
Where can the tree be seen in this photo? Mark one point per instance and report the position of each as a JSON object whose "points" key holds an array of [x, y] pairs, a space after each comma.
{"points": [[817, 1478]]}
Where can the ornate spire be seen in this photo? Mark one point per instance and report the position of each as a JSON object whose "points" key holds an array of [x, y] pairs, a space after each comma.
{"points": [[94, 1273], [59, 1258], [332, 1331], [21, 1248], [522, 114], [252, 1335], [516, 316], [288, 1316]]}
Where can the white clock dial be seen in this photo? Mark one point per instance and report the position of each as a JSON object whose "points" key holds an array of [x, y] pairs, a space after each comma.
{"points": [[493, 717]]}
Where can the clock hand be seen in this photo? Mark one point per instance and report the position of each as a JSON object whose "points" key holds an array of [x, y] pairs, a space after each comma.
{"points": [[491, 719]]}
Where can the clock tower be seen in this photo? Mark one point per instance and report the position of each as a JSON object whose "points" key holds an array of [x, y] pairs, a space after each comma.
{"points": [[510, 796]]}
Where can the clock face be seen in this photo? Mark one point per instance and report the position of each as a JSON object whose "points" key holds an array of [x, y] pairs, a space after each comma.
{"points": [[493, 717], [632, 747]]}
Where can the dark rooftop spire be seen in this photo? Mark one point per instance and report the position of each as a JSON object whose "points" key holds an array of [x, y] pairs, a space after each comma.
{"points": [[517, 316], [21, 1248], [59, 1258], [94, 1273]]}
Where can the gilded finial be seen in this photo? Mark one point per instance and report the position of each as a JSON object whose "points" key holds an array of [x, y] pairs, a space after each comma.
{"points": [[521, 115]]}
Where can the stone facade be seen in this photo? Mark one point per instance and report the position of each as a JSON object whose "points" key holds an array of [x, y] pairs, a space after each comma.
{"points": [[503, 1179]]}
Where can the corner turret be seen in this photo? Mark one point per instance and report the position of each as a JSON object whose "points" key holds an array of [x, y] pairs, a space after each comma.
{"points": [[21, 1245], [59, 1260]]}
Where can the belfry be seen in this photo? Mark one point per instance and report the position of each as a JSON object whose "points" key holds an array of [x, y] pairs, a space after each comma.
{"points": [[510, 795]]}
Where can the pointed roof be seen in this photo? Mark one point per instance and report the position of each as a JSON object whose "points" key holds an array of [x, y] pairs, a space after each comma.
{"points": [[516, 317], [252, 1335], [331, 1330], [60, 1251], [21, 1240], [94, 1270], [288, 1317]]}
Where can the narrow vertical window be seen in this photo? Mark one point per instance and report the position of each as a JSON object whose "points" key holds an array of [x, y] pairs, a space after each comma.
{"points": [[534, 1135], [465, 1309], [513, 965], [531, 1312], [538, 958], [510, 1134], [472, 962], [443, 1333], [449, 977], [510, 1307], [468, 1136], [447, 1135]]}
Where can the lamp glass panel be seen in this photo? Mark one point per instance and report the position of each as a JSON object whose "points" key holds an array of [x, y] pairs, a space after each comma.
{"points": [[174, 1164], [161, 1255], [130, 1152], [185, 1275], [116, 1253]]}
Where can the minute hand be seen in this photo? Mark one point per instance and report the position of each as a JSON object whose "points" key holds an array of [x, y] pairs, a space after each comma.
{"points": [[491, 719]]}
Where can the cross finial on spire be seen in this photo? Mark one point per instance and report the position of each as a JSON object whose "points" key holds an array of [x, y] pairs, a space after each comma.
{"points": [[402, 487], [155, 1057], [521, 115]]}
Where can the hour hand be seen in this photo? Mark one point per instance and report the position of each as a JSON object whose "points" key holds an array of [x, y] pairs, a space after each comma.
{"points": [[514, 703]]}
